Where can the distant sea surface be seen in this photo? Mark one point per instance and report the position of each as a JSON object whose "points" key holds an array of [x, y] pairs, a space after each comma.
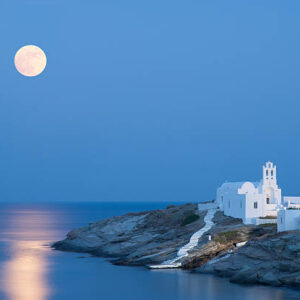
{"points": [[31, 270]]}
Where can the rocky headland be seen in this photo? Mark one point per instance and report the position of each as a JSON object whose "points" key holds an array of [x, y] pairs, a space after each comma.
{"points": [[244, 253]]}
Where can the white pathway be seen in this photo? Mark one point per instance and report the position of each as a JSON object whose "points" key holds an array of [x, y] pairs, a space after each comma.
{"points": [[183, 251]]}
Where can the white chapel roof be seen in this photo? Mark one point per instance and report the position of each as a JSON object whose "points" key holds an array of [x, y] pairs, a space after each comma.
{"points": [[237, 185]]}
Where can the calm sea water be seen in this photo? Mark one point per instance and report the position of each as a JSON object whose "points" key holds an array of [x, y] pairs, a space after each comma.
{"points": [[31, 270]]}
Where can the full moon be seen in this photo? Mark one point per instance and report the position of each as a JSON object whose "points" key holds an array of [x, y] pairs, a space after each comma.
{"points": [[30, 60]]}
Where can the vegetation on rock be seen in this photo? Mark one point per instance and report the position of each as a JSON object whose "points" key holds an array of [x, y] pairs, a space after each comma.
{"points": [[226, 236], [189, 219]]}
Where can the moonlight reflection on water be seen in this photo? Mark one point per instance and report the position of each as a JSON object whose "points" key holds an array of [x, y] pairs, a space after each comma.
{"points": [[25, 272]]}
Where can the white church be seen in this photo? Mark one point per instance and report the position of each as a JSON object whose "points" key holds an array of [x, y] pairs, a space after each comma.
{"points": [[260, 202]]}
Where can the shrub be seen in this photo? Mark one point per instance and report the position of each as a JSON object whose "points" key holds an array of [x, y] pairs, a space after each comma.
{"points": [[189, 219], [227, 236]]}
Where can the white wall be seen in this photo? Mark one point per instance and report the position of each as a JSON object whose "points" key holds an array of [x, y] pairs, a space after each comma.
{"points": [[230, 201], [252, 212], [288, 219], [234, 205], [270, 210], [259, 221]]}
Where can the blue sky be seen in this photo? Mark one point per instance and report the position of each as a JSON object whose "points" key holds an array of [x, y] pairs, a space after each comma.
{"points": [[148, 100]]}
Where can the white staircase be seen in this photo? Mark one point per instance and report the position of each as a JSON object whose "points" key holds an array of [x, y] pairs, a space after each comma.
{"points": [[183, 251]]}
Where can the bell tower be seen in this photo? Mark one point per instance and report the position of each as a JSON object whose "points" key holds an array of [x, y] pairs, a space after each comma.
{"points": [[270, 189], [269, 175]]}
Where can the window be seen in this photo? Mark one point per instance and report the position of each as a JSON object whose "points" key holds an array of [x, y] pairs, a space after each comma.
{"points": [[268, 200], [267, 173], [271, 172], [255, 204], [222, 198], [281, 220]]}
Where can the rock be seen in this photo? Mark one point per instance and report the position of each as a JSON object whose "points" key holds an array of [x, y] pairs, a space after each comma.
{"points": [[272, 260], [271, 278]]}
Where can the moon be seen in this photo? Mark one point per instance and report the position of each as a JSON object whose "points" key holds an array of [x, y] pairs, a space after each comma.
{"points": [[30, 60]]}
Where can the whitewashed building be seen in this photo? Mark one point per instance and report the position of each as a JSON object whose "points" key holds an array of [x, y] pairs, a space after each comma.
{"points": [[292, 202], [251, 201], [289, 215], [288, 219]]}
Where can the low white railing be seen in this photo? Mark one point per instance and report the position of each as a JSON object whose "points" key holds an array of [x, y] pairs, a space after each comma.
{"points": [[259, 221]]}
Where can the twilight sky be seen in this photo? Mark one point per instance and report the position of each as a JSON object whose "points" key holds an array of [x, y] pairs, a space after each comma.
{"points": [[148, 100]]}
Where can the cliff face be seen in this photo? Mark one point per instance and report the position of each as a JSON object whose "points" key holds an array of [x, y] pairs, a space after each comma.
{"points": [[273, 260], [153, 237]]}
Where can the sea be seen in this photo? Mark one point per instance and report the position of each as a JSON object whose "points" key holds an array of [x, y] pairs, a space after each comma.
{"points": [[31, 270]]}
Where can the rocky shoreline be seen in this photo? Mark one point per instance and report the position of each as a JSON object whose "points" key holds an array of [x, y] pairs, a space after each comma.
{"points": [[246, 254], [272, 260]]}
